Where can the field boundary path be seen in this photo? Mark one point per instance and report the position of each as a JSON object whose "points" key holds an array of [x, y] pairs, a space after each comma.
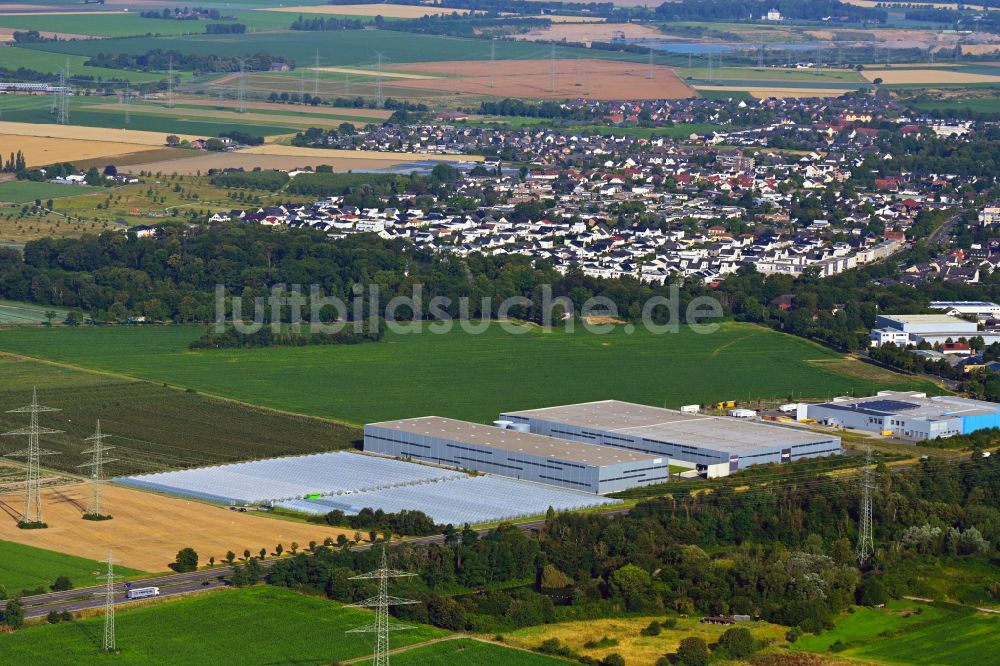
{"points": [[925, 600]]}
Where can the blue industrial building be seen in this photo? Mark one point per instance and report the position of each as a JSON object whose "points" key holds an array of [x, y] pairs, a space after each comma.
{"points": [[906, 414]]}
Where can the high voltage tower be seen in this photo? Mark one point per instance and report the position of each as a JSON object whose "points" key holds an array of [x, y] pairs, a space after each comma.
{"points": [[493, 63], [60, 105], [316, 75], [649, 74], [381, 603], [552, 69], [96, 466], [866, 540], [109, 644], [241, 94], [32, 489], [170, 82], [125, 99], [378, 81]]}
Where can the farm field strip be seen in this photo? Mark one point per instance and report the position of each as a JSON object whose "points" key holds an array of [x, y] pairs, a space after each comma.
{"points": [[386, 10], [467, 651], [476, 376], [211, 629], [26, 567], [211, 530], [927, 76]]}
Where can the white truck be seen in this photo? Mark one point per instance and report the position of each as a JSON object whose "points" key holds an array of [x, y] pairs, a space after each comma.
{"points": [[143, 592]]}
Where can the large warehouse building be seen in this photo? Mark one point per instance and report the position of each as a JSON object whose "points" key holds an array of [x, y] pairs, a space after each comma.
{"points": [[717, 444], [906, 414], [522, 455]]}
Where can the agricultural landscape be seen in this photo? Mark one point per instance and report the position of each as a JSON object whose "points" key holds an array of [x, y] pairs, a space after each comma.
{"points": [[515, 333]]}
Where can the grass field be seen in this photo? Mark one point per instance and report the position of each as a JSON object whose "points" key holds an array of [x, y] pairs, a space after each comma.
{"points": [[632, 645], [469, 652], [20, 191], [468, 376], [16, 312], [127, 24], [154, 427], [866, 624], [25, 568], [939, 635], [265, 625], [45, 61]]}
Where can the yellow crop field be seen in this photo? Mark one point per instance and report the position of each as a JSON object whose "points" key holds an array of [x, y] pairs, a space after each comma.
{"points": [[927, 76], [79, 132], [979, 49], [39, 151], [387, 10], [760, 93]]}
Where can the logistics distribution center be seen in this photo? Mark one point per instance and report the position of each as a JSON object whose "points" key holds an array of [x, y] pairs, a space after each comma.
{"points": [[523, 455], [906, 414], [602, 447]]}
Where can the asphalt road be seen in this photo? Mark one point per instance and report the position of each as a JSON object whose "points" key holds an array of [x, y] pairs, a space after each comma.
{"points": [[86, 598]]}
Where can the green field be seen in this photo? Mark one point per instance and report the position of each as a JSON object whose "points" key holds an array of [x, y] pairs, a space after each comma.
{"points": [[16, 312], [45, 61], [153, 427], [37, 109], [346, 47], [866, 624], [127, 24], [259, 625], [468, 376], [470, 652], [939, 635], [25, 568], [20, 191]]}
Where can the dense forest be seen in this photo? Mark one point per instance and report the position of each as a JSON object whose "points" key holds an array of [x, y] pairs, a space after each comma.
{"points": [[781, 552], [158, 60]]}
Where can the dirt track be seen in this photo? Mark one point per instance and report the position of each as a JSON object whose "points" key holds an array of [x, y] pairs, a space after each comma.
{"points": [[148, 529]]}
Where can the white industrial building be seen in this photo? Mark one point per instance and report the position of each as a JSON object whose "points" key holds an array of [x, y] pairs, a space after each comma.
{"points": [[903, 330], [979, 309]]}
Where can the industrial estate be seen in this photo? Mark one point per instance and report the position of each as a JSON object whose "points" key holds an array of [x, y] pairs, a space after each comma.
{"points": [[481, 332]]}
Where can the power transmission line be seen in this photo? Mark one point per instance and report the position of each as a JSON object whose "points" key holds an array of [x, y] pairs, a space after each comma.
{"points": [[125, 99], [552, 69], [493, 63], [32, 488], [241, 99], [109, 644], [649, 74], [170, 83], [316, 75], [381, 603], [866, 541], [97, 467]]}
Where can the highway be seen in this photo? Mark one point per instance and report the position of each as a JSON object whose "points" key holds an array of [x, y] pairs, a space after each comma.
{"points": [[86, 598]]}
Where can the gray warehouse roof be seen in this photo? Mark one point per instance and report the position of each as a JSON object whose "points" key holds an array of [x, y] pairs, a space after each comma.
{"points": [[510, 440], [914, 404], [667, 425]]}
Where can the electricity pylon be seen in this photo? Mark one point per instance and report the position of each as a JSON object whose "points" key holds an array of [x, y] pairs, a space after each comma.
{"points": [[381, 603], [32, 489], [866, 540], [109, 644], [97, 467]]}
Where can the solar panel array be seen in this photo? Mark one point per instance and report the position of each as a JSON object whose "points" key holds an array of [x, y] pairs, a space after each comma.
{"points": [[471, 499], [289, 478]]}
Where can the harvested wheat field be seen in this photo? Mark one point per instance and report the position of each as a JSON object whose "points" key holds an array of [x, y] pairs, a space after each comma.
{"points": [[39, 151], [922, 5], [387, 10], [590, 32], [148, 529], [762, 93], [557, 18], [532, 79], [82, 133], [979, 49], [927, 76]]}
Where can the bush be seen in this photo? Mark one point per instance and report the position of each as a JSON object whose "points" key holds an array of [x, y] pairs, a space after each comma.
{"points": [[737, 643], [693, 651], [61, 584], [613, 659], [652, 629], [187, 560], [604, 642]]}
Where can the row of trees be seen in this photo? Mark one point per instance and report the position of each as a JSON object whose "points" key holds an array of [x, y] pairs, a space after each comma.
{"points": [[158, 60], [781, 552]]}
